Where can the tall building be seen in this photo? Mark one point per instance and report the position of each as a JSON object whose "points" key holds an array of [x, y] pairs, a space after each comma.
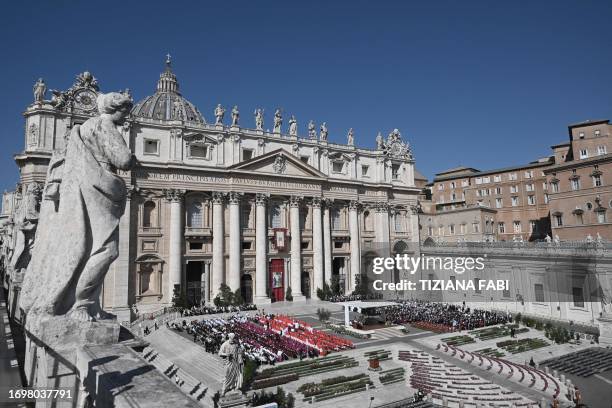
{"points": [[580, 189], [210, 203]]}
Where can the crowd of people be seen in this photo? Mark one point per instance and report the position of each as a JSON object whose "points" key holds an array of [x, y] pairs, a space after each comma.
{"points": [[206, 310], [355, 297], [260, 344], [455, 317]]}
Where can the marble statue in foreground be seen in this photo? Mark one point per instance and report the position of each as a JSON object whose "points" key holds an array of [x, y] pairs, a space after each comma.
{"points": [[78, 230], [231, 352]]}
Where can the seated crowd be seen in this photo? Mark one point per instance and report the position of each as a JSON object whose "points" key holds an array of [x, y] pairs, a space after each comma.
{"points": [[266, 339], [355, 297], [205, 310], [455, 318]]}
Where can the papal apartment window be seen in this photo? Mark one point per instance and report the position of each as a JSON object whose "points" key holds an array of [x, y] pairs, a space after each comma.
{"points": [[364, 170], [197, 150], [486, 179], [531, 200], [498, 190], [512, 176], [529, 174], [513, 189], [577, 297], [544, 186], [601, 217], [452, 184], [247, 154], [579, 218], [497, 178], [465, 183], [501, 227], [517, 226], [440, 186], [533, 226], [151, 146], [584, 153], [515, 201], [554, 186], [597, 181], [546, 198], [601, 150], [538, 290], [395, 171], [558, 220], [337, 167], [575, 184], [581, 135], [498, 203], [478, 180], [529, 187], [453, 197]]}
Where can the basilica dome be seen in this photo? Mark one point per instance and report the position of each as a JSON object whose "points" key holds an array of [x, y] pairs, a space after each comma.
{"points": [[167, 103]]}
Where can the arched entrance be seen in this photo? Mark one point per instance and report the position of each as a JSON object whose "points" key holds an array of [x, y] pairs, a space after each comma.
{"points": [[246, 288]]}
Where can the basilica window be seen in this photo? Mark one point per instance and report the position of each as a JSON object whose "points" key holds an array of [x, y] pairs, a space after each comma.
{"points": [[247, 154], [151, 147], [578, 297], [335, 218], [364, 170], [395, 170], [200, 151], [338, 167], [303, 218], [245, 213], [304, 159], [538, 289], [397, 219], [194, 215], [149, 218], [275, 216], [367, 221]]}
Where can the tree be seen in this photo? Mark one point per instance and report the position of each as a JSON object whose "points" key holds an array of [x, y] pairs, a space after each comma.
{"points": [[178, 298], [225, 297], [362, 285], [335, 285], [238, 299], [324, 293], [324, 314], [288, 294]]}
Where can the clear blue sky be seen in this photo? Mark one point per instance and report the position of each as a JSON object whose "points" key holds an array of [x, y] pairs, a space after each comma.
{"points": [[479, 83]]}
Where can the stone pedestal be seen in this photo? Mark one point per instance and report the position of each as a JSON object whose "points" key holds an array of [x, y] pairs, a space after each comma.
{"points": [[605, 330], [52, 346], [233, 399]]}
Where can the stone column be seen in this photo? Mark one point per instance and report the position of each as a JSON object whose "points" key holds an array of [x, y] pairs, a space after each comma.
{"points": [[175, 261], [218, 261], [121, 266], [355, 253], [296, 248], [317, 246], [233, 278], [327, 243], [261, 248]]}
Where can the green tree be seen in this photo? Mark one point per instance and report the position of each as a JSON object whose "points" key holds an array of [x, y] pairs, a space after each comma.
{"points": [[178, 297], [225, 297], [323, 314], [238, 299], [335, 285], [288, 294]]}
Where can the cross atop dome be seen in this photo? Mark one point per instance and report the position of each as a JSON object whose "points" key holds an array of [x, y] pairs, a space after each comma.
{"points": [[167, 80]]}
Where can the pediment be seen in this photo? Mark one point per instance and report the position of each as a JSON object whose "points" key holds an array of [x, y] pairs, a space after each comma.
{"points": [[199, 137], [278, 162]]}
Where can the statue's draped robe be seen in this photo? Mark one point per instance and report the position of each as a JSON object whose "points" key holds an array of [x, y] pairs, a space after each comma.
{"points": [[233, 366], [78, 235]]}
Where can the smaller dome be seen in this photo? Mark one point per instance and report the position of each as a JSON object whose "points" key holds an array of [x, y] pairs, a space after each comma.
{"points": [[167, 103]]}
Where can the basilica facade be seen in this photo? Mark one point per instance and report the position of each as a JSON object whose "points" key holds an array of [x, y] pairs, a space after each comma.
{"points": [[226, 202]]}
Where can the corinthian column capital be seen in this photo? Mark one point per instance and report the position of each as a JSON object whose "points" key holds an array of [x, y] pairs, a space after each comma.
{"points": [[294, 201], [316, 202], [234, 197], [174, 195], [261, 199], [218, 197]]}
